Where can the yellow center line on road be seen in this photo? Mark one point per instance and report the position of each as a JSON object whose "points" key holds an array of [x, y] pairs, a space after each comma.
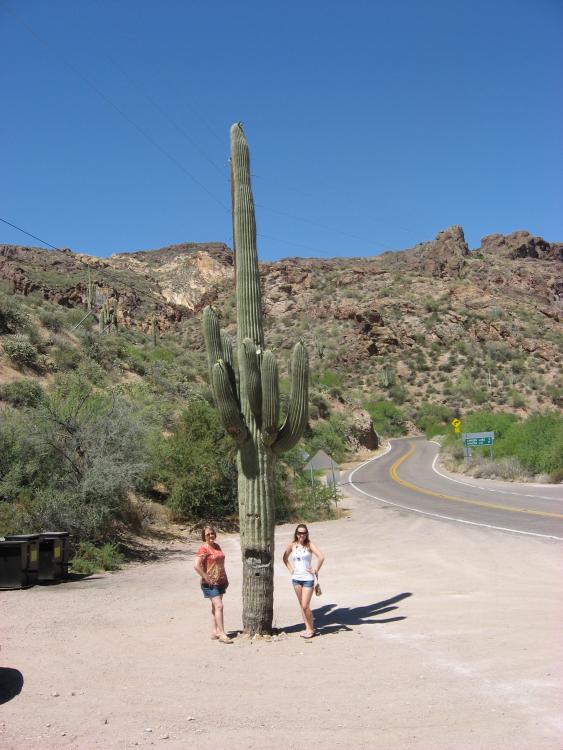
{"points": [[494, 506]]}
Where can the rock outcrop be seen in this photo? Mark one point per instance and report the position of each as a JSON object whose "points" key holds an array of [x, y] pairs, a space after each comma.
{"points": [[520, 244]]}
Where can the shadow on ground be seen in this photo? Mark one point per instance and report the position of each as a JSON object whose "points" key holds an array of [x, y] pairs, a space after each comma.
{"points": [[11, 683], [331, 618]]}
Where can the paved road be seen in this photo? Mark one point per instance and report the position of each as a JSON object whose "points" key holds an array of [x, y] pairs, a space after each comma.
{"points": [[408, 477]]}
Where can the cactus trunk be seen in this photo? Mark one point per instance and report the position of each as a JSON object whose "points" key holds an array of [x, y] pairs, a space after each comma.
{"points": [[250, 415]]}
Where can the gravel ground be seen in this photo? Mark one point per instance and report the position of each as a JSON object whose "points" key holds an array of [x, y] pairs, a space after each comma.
{"points": [[431, 635]]}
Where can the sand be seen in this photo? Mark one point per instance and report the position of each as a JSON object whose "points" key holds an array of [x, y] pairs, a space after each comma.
{"points": [[431, 635]]}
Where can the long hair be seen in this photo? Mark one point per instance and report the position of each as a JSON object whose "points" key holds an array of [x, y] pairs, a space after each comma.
{"points": [[306, 541]]}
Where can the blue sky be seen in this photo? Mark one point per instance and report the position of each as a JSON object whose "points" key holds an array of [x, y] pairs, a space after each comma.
{"points": [[372, 125]]}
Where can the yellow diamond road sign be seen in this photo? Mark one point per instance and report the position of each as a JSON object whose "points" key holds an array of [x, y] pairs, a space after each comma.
{"points": [[456, 423]]}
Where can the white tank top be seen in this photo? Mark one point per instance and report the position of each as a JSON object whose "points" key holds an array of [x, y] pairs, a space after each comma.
{"points": [[302, 559]]}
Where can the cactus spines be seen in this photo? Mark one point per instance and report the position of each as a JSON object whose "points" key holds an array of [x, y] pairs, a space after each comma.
{"points": [[250, 413]]}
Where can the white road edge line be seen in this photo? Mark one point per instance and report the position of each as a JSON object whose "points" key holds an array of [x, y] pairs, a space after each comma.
{"points": [[482, 487], [437, 515], [488, 489]]}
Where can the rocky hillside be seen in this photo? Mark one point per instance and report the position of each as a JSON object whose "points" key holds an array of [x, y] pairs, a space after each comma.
{"points": [[436, 322]]}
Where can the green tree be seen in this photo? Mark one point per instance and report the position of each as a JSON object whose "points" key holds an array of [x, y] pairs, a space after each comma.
{"points": [[197, 465]]}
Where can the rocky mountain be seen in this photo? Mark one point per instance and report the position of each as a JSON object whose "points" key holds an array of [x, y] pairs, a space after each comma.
{"points": [[435, 322]]}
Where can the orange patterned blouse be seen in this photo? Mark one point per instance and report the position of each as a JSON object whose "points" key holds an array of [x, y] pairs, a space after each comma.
{"points": [[213, 563]]}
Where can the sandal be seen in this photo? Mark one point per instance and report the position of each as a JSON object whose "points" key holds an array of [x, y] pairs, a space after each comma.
{"points": [[307, 635], [224, 639], [214, 637]]}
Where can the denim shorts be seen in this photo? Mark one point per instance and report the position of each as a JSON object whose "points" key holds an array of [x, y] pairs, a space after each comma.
{"points": [[305, 584], [211, 591]]}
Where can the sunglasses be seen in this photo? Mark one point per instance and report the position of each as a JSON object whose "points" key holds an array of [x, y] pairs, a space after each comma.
{"points": [[211, 533], [301, 533]]}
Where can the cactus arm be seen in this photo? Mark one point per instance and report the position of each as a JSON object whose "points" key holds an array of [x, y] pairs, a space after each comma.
{"points": [[212, 336], [227, 349], [249, 368], [270, 398], [227, 352], [297, 412], [227, 404]]}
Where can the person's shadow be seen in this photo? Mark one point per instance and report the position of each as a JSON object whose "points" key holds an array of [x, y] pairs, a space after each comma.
{"points": [[11, 683], [331, 619]]}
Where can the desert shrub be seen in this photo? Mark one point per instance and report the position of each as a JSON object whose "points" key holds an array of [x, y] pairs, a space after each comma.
{"points": [[66, 357], [20, 350], [162, 354], [330, 379], [319, 407], [398, 394], [432, 305], [25, 392], [555, 393], [508, 468], [90, 559], [434, 419], [517, 400], [330, 436], [537, 443], [68, 462], [387, 418], [197, 465], [51, 321], [307, 501], [13, 318]]}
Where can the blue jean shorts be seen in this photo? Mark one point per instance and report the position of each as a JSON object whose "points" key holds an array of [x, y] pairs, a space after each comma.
{"points": [[305, 584], [211, 591]]}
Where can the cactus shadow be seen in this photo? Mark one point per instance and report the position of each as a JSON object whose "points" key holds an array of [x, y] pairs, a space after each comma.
{"points": [[330, 618], [11, 683]]}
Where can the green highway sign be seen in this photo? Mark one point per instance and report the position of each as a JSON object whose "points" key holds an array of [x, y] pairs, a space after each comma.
{"points": [[478, 441], [474, 439]]}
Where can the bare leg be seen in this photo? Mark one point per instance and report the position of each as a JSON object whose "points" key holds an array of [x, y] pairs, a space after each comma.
{"points": [[306, 595], [214, 633], [217, 610], [304, 598]]}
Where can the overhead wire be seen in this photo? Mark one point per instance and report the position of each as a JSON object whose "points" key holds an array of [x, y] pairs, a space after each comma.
{"points": [[43, 242], [113, 105], [374, 244]]}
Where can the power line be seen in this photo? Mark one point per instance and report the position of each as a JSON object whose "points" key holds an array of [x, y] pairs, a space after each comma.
{"points": [[114, 106], [183, 132], [43, 242]]}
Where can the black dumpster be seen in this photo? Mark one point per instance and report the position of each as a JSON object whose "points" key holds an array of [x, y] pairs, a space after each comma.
{"points": [[19, 561], [53, 555]]}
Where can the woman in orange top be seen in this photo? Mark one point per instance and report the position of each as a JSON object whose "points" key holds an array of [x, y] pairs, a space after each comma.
{"points": [[210, 565]]}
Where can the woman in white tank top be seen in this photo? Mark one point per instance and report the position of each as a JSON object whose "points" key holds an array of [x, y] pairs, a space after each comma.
{"points": [[298, 559]]}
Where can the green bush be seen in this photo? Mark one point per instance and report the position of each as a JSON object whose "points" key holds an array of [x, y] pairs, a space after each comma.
{"points": [[20, 350], [25, 392], [434, 419], [330, 379], [66, 357], [197, 465], [300, 501], [387, 418], [536, 442], [13, 319], [51, 321], [90, 559], [68, 462], [330, 436]]}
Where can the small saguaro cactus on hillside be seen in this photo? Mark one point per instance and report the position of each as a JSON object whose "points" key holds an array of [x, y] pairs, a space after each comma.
{"points": [[249, 409]]}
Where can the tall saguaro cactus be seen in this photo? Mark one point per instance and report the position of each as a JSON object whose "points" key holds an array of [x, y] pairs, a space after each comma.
{"points": [[249, 409]]}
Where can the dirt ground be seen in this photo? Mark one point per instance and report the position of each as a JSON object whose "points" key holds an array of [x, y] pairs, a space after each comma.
{"points": [[431, 635]]}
